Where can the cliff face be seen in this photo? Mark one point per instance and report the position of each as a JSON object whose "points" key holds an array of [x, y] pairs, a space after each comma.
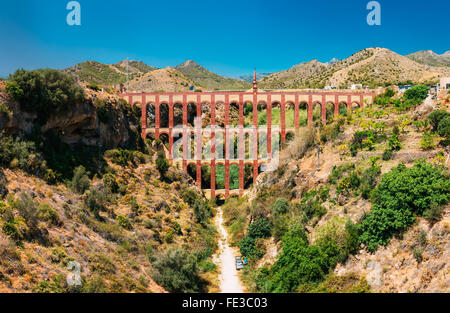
{"points": [[100, 120]]}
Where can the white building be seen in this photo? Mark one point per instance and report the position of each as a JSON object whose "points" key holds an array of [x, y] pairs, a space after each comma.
{"points": [[445, 83], [356, 86]]}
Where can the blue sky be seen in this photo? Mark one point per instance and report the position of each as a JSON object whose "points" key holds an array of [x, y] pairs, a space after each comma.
{"points": [[226, 36]]}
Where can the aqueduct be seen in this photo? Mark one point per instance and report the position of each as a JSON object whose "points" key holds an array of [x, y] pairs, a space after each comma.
{"points": [[169, 115]]}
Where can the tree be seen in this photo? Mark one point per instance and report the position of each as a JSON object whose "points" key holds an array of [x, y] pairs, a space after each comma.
{"points": [[44, 90], [162, 164], [80, 181]]}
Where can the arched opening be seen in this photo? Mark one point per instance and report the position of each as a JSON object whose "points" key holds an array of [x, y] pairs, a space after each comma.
{"points": [[234, 177], [191, 114], [164, 140], [248, 176], [355, 105], [248, 113], [317, 113], [163, 115], [220, 176], [150, 137], [220, 114], [206, 176], [177, 114], [290, 115], [276, 142], [192, 171], [206, 145], [234, 114], [206, 114], [303, 114], [233, 145], [262, 145], [290, 136], [191, 146], [177, 149], [220, 145], [262, 114], [247, 145], [330, 112], [276, 114], [150, 115], [343, 109]]}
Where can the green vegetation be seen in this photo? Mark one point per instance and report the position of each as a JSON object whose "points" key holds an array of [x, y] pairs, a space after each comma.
{"points": [[402, 194], [44, 91], [177, 271]]}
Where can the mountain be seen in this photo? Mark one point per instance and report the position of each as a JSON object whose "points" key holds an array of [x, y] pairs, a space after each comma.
{"points": [[166, 79], [431, 58], [207, 79], [371, 67], [93, 72], [249, 78]]}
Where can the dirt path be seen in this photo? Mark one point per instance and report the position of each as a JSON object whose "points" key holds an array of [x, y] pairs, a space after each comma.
{"points": [[229, 279]]}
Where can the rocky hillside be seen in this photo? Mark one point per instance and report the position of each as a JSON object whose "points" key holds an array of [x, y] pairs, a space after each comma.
{"points": [[83, 200], [334, 222], [92, 72], [249, 78], [167, 79], [209, 80], [431, 58], [371, 67]]}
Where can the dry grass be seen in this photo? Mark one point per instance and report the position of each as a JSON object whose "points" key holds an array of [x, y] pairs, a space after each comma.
{"points": [[304, 138]]}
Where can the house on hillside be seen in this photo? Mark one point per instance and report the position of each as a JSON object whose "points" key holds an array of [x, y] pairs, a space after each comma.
{"points": [[356, 86], [444, 83]]}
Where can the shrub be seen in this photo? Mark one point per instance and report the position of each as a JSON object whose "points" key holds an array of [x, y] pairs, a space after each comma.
{"points": [[280, 206], [110, 183], [47, 213], [177, 271], [435, 118], [337, 239], [44, 90], [162, 165], [260, 228], [428, 141], [444, 127], [124, 222], [368, 180], [80, 181], [402, 193], [298, 263], [202, 211], [95, 200], [418, 93], [387, 155]]}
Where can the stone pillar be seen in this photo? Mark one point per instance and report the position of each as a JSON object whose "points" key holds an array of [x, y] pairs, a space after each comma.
{"points": [[349, 104], [241, 141], [227, 178], [130, 100], [255, 129], [336, 106], [324, 110], [199, 174], [296, 112], [170, 145], [283, 119], [361, 101], [241, 177], [255, 171], [213, 179], [157, 122], [170, 113], [269, 127], [144, 119], [310, 111]]}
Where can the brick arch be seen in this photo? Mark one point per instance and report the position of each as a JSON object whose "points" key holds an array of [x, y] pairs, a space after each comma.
{"points": [[245, 162]]}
